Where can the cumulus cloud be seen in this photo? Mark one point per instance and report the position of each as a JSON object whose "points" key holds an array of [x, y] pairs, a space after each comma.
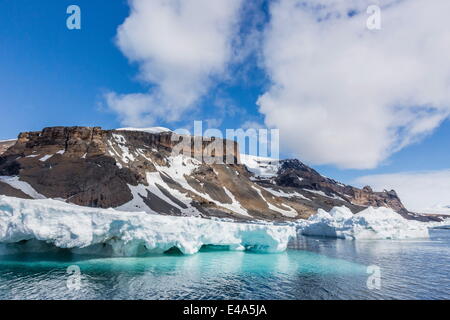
{"points": [[345, 95], [180, 46], [419, 191]]}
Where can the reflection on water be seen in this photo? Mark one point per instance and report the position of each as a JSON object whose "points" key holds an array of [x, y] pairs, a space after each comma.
{"points": [[410, 269], [314, 268]]}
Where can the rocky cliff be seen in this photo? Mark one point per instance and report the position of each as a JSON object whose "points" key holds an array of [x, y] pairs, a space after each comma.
{"points": [[293, 173], [138, 171]]}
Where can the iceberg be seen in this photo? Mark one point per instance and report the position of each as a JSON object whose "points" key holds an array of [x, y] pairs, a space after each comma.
{"points": [[42, 224], [371, 223], [154, 130]]}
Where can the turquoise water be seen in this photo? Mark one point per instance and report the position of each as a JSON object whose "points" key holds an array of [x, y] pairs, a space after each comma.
{"points": [[313, 268]]}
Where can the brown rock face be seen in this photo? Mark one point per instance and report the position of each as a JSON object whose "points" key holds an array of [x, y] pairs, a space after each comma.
{"points": [[69, 163], [367, 197], [91, 142], [295, 174], [9, 191], [94, 167], [75, 141]]}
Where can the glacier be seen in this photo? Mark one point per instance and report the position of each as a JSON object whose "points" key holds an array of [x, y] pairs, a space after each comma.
{"points": [[371, 223], [34, 225]]}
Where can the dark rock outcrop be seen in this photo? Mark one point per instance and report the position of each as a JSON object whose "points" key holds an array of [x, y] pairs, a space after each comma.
{"points": [[293, 173]]}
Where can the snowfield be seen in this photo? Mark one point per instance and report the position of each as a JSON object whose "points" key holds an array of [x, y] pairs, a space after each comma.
{"points": [[371, 223], [46, 224], [153, 130]]}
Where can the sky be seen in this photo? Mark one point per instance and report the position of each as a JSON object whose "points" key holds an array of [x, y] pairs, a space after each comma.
{"points": [[360, 105]]}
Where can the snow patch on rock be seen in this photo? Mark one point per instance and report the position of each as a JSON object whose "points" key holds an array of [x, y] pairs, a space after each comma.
{"points": [[235, 205], [282, 194], [323, 194], [288, 212], [46, 157], [23, 186], [154, 182], [179, 167]]}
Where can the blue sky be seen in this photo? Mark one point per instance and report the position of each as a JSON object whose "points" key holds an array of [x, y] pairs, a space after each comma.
{"points": [[54, 76]]}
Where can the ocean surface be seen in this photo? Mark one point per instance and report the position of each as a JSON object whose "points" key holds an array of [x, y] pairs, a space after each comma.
{"points": [[313, 268]]}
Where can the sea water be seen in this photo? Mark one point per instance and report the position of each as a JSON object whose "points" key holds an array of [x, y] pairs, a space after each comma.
{"points": [[312, 268]]}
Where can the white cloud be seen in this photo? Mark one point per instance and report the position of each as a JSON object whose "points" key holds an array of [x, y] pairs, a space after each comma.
{"points": [[133, 109], [348, 96], [417, 190], [180, 47]]}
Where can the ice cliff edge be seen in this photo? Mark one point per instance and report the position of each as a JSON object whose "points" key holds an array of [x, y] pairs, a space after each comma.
{"points": [[54, 223]]}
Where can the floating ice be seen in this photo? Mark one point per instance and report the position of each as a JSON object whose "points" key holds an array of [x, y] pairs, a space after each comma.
{"points": [[371, 223], [112, 232]]}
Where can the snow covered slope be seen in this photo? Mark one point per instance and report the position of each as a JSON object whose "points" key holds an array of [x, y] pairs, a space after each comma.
{"points": [[260, 166], [372, 223], [112, 232], [149, 130]]}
